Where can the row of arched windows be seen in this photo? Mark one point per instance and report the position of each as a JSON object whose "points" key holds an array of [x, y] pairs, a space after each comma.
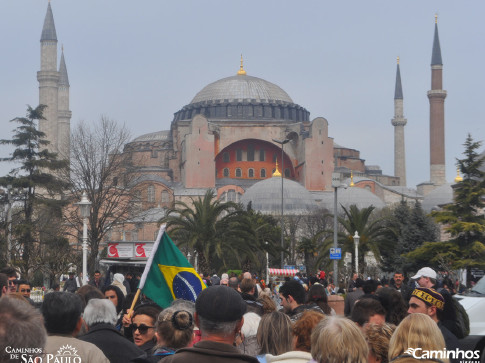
{"points": [[238, 173]]}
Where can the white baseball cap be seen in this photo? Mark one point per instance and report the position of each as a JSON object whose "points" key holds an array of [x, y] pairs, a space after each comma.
{"points": [[425, 272]]}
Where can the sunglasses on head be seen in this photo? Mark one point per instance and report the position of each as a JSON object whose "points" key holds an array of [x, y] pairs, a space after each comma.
{"points": [[142, 328]]}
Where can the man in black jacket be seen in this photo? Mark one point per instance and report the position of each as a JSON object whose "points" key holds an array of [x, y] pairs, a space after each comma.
{"points": [[100, 317], [219, 314]]}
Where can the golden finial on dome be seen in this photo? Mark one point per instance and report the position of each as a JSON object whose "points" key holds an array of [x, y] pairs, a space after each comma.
{"points": [[398, 60], [436, 18], [241, 71], [352, 178], [458, 177], [276, 172]]}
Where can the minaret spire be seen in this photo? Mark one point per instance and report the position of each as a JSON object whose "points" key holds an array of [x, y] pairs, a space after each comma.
{"points": [[436, 98], [48, 78], [399, 122]]}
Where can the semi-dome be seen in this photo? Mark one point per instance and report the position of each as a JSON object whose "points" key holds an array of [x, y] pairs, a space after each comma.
{"points": [[346, 197], [242, 88], [265, 197], [154, 136], [437, 197]]}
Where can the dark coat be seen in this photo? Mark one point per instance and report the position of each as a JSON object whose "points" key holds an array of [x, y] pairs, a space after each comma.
{"points": [[350, 300], [99, 284], [115, 346], [209, 352]]}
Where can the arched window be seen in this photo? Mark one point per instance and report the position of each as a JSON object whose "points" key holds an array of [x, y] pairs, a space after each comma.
{"points": [[250, 173], [250, 153], [165, 196], [151, 194], [231, 195], [263, 173], [225, 173], [238, 173]]}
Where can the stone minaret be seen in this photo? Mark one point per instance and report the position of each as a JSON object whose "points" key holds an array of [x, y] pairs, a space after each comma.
{"points": [[53, 90], [64, 115], [399, 122], [437, 114]]}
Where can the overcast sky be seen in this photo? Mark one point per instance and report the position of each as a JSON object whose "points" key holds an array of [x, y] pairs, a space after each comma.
{"points": [[139, 62]]}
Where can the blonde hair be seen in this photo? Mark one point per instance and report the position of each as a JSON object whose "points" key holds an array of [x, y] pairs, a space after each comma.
{"points": [[378, 337], [416, 331], [274, 333], [338, 340]]}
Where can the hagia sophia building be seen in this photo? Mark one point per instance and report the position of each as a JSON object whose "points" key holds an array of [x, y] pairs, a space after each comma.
{"points": [[229, 139]]}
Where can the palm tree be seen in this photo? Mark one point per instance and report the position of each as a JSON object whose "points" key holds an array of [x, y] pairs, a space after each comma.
{"points": [[371, 232], [262, 235], [208, 226]]}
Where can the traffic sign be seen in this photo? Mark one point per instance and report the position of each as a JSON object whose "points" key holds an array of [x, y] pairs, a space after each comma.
{"points": [[335, 253]]}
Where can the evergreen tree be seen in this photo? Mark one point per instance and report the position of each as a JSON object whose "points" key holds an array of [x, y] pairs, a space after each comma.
{"points": [[36, 176], [463, 219], [407, 229]]}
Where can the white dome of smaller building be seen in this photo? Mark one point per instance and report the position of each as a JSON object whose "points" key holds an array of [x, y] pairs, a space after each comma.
{"points": [[265, 197]]}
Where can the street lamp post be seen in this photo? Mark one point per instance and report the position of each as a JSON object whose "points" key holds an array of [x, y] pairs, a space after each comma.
{"points": [[356, 245], [335, 184], [267, 263], [85, 208], [282, 143], [9, 224]]}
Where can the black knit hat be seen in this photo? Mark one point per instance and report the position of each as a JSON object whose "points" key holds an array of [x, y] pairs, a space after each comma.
{"points": [[220, 304]]}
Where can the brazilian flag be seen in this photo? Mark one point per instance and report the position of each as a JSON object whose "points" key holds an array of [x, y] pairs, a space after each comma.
{"points": [[168, 275]]}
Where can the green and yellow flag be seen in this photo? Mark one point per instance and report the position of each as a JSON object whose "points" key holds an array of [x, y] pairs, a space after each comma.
{"points": [[168, 275]]}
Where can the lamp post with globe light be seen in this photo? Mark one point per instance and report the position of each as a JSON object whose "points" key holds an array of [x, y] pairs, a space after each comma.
{"points": [[356, 238], [85, 209]]}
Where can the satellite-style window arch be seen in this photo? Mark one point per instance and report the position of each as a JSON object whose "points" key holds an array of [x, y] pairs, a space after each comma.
{"points": [[165, 196], [151, 194]]}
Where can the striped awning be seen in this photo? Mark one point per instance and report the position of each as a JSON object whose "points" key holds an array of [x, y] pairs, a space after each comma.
{"points": [[282, 272]]}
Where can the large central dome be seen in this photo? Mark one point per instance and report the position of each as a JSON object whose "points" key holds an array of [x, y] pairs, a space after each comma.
{"points": [[240, 88], [243, 98]]}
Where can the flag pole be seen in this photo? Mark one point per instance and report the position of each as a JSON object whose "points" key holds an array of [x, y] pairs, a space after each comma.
{"points": [[147, 268], [135, 299]]}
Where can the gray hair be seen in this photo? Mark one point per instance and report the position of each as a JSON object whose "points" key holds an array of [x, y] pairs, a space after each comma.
{"points": [[100, 311], [251, 324], [221, 328], [21, 325], [181, 304]]}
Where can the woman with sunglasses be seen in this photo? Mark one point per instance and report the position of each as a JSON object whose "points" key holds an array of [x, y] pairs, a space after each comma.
{"points": [[143, 327]]}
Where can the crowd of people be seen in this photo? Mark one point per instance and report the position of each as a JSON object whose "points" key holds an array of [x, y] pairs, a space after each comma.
{"points": [[235, 319]]}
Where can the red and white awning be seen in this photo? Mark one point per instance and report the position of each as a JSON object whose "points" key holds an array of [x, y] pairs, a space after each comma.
{"points": [[282, 272]]}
